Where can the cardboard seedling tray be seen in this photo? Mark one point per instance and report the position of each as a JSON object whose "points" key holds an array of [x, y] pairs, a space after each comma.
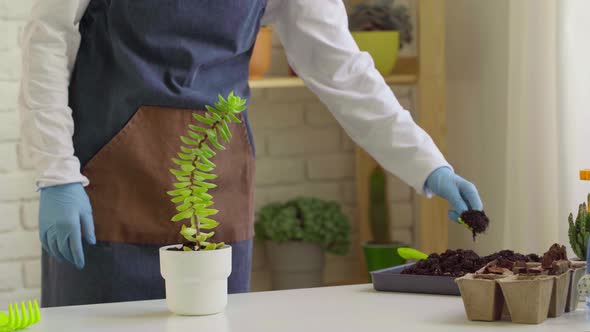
{"points": [[527, 298], [482, 296], [559, 294], [578, 270]]}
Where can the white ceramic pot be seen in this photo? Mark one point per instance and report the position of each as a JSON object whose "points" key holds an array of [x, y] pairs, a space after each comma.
{"points": [[196, 281]]}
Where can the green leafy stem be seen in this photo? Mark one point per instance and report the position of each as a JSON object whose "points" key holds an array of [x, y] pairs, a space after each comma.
{"points": [[194, 171]]}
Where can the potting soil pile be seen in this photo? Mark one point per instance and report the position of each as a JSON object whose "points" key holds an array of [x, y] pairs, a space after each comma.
{"points": [[457, 263]]}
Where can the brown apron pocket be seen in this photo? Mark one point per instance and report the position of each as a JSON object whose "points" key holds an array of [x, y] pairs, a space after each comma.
{"points": [[129, 178]]}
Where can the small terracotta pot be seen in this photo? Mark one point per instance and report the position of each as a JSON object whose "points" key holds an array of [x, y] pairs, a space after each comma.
{"points": [[261, 54], [482, 296], [559, 294], [527, 298]]}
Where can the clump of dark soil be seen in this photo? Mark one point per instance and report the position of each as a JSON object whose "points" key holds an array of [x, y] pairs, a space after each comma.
{"points": [[554, 254], [457, 263], [476, 220], [512, 256]]}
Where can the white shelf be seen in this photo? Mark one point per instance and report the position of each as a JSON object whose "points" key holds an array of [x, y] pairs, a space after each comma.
{"points": [[296, 82]]}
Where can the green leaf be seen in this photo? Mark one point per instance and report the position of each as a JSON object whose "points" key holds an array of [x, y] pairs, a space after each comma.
{"points": [[238, 109], [197, 128], [204, 120], [182, 184], [182, 178], [198, 190], [188, 168], [179, 192], [206, 161], [184, 207], [186, 150], [187, 230], [204, 168], [186, 248], [178, 199], [210, 246], [215, 142], [223, 135], [215, 116], [206, 223], [207, 149], [202, 205], [220, 245], [208, 235], [207, 212], [223, 107], [203, 237], [206, 176], [211, 133], [179, 173], [181, 162], [188, 141], [191, 199], [184, 156], [212, 109], [183, 215], [206, 185], [204, 196], [194, 135], [225, 128], [234, 118], [221, 99]]}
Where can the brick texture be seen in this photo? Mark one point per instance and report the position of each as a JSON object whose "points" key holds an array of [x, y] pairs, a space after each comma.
{"points": [[19, 244]]}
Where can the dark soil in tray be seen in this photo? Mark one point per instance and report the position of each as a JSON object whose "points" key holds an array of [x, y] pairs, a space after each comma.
{"points": [[457, 263]]}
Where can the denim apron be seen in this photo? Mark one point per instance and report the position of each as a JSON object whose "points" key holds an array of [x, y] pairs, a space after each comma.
{"points": [[143, 67]]}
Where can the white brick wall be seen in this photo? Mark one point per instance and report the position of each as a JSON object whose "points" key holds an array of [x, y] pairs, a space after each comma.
{"points": [[311, 155], [19, 242], [301, 150]]}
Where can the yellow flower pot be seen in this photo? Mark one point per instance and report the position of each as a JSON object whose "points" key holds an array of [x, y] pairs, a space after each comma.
{"points": [[381, 45], [261, 55]]}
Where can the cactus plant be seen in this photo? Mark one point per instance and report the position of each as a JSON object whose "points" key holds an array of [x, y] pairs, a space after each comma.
{"points": [[579, 230], [378, 210], [382, 15]]}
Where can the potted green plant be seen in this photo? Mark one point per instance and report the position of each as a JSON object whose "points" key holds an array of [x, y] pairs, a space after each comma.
{"points": [[579, 233], [378, 27], [381, 252], [196, 272], [296, 235]]}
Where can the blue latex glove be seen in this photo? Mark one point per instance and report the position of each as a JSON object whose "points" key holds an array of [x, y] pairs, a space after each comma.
{"points": [[461, 194], [65, 216]]}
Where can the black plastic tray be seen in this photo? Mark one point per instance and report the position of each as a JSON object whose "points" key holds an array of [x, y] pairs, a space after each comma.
{"points": [[391, 280]]}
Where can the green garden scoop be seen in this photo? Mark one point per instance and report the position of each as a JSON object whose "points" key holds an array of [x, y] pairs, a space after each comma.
{"points": [[412, 254]]}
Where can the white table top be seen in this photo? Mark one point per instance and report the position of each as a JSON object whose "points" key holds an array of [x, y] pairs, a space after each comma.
{"points": [[342, 309]]}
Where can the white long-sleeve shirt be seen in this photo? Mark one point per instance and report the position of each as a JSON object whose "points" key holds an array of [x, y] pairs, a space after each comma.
{"points": [[319, 47]]}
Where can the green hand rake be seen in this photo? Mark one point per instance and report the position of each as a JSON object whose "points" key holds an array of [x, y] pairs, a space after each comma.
{"points": [[16, 319]]}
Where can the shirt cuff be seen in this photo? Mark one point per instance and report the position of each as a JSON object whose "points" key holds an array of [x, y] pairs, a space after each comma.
{"points": [[61, 172], [426, 170]]}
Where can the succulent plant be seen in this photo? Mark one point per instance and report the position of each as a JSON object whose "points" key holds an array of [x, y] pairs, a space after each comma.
{"points": [[382, 15], [579, 230], [305, 219], [194, 171]]}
